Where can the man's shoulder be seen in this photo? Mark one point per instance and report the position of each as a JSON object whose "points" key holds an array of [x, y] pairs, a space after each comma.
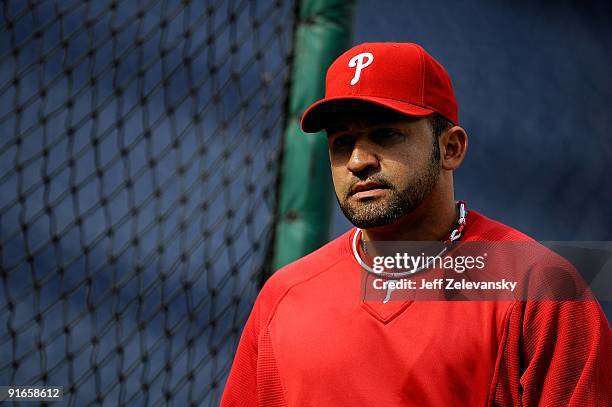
{"points": [[543, 273], [507, 242], [480, 227], [308, 267]]}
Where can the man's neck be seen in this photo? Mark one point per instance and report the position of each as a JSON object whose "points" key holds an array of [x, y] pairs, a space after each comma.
{"points": [[429, 222]]}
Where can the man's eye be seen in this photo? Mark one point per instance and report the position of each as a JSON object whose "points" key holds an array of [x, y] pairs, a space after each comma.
{"points": [[386, 135], [342, 141]]}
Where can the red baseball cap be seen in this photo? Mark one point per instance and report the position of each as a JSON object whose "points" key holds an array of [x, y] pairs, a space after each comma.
{"points": [[400, 76]]}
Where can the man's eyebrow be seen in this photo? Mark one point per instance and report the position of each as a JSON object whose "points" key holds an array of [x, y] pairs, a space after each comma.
{"points": [[387, 127]]}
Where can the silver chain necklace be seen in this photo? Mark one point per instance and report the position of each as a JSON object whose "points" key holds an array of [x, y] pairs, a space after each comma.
{"points": [[454, 236]]}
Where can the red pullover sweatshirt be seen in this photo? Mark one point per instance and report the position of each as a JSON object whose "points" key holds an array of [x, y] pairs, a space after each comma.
{"points": [[312, 341]]}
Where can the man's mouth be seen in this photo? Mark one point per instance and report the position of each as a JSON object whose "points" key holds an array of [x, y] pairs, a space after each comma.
{"points": [[367, 189]]}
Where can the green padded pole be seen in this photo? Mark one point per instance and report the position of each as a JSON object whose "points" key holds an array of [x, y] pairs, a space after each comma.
{"points": [[304, 209]]}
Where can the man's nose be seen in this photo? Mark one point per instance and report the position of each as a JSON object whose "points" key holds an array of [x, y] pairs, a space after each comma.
{"points": [[362, 157]]}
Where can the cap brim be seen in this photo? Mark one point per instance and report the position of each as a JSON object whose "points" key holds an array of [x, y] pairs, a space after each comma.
{"points": [[319, 114]]}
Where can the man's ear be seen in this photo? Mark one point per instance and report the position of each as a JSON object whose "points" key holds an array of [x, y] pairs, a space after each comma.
{"points": [[453, 146]]}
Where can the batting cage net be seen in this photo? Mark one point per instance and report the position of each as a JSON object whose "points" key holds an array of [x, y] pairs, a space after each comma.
{"points": [[140, 146]]}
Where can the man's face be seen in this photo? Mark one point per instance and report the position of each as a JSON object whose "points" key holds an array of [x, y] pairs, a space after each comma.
{"points": [[382, 167]]}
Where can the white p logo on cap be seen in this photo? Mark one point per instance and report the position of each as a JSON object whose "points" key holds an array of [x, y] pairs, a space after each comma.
{"points": [[358, 63]]}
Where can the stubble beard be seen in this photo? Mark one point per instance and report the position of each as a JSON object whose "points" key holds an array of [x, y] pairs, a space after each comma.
{"points": [[370, 213]]}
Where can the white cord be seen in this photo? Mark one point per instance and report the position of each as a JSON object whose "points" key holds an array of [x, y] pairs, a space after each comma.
{"points": [[455, 235]]}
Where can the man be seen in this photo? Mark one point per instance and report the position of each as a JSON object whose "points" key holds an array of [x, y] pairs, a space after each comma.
{"points": [[313, 339]]}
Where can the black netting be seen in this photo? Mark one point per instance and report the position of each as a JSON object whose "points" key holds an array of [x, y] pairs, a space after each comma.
{"points": [[139, 145]]}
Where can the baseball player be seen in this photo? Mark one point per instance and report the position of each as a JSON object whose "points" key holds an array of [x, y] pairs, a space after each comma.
{"points": [[313, 340]]}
